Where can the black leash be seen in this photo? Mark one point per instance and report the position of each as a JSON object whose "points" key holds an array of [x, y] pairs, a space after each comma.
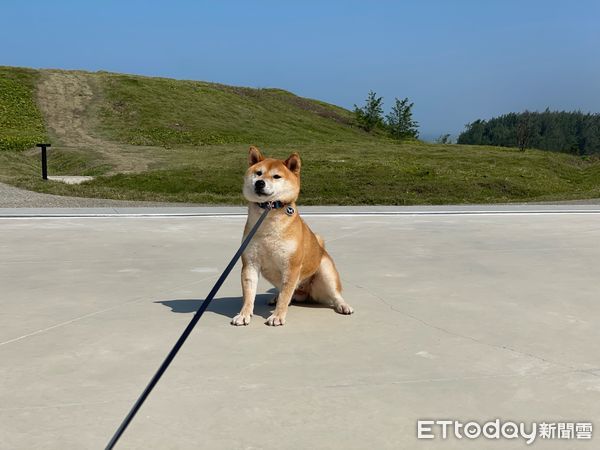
{"points": [[163, 367]]}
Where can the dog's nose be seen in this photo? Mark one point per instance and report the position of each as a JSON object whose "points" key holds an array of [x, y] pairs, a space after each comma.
{"points": [[260, 184]]}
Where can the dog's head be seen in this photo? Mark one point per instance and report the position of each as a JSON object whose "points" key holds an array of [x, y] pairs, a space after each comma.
{"points": [[269, 179]]}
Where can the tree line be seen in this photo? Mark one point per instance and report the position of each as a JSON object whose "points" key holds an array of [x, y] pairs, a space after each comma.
{"points": [[564, 131], [399, 123]]}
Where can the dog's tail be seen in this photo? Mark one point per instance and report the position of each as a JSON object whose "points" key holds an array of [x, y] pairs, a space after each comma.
{"points": [[321, 241]]}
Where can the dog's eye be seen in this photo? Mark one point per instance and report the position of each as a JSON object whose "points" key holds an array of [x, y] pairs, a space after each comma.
{"points": [[259, 173], [277, 177]]}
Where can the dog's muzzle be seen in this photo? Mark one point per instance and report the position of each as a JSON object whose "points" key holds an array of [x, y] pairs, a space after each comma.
{"points": [[259, 187]]}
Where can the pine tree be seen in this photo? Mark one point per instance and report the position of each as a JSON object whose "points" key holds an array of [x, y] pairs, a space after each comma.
{"points": [[370, 116], [523, 130], [399, 121]]}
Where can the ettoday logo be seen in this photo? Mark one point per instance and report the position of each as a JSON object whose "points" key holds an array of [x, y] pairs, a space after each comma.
{"points": [[498, 429]]}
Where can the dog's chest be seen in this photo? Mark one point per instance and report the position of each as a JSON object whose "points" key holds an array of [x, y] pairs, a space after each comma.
{"points": [[271, 251]]}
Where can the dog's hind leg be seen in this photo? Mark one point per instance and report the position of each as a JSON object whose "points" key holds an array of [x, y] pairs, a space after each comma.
{"points": [[326, 286]]}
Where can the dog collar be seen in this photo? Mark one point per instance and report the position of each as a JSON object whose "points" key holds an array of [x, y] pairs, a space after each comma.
{"points": [[277, 204], [271, 205]]}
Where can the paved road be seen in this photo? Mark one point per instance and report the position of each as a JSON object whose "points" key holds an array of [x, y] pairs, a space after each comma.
{"points": [[460, 316]]}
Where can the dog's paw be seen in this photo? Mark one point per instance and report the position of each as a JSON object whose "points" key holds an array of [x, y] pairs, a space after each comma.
{"points": [[241, 319], [275, 321], [343, 308]]}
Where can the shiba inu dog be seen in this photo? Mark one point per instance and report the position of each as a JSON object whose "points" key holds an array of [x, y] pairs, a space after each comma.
{"points": [[284, 250]]}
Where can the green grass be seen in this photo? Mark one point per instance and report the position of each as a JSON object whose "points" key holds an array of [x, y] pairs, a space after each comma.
{"points": [[378, 174], [21, 124], [343, 173], [195, 137], [165, 112]]}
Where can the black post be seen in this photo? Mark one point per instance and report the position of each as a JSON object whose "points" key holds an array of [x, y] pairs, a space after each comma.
{"points": [[44, 160]]}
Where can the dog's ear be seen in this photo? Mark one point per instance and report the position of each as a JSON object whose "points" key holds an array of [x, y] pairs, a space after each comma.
{"points": [[293, 163], [254, 156]]}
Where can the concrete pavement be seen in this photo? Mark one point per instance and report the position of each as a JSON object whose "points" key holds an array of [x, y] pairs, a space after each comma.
{"points": [[461, 313], [176, 211]]}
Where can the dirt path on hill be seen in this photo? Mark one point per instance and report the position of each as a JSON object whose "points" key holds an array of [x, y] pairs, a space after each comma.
{"points": [[63, 98]]}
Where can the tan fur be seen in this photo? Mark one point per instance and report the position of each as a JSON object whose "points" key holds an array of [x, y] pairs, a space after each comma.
{"points": [[284, 250]]}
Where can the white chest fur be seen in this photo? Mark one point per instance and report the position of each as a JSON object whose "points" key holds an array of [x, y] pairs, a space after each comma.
{"points": [[271, 249]]}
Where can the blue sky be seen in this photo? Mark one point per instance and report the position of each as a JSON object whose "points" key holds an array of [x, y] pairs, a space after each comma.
{"points": [[457, 60]]}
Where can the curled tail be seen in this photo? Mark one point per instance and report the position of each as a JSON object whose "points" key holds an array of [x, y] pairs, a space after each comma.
{"points": [[320, 240]]}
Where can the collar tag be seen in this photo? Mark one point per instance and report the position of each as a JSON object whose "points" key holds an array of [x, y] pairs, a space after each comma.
{"points": [[289, 210]]}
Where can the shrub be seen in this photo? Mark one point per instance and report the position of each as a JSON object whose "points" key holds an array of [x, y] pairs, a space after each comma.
{"points": [[370, 116]]}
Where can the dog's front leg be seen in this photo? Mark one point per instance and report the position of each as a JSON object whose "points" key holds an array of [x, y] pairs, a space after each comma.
{"points": [[285, 297], [249, 284]]}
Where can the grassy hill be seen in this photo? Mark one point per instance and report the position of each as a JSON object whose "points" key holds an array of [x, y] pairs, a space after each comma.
{"points": [[159, 111], [161, 139], [21, 124]]}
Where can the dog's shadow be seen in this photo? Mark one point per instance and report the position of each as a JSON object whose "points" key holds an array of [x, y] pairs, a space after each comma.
{"points": [[229, 306], [225, 306]]}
